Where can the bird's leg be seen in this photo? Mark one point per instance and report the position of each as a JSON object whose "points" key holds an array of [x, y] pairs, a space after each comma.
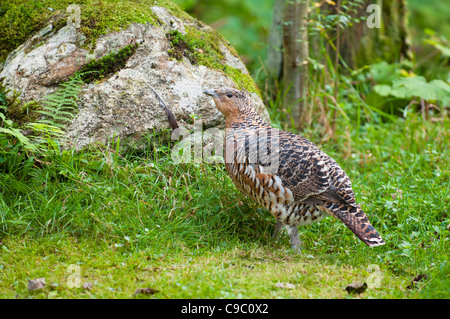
{"points": [[295, 239], [278, 227]]}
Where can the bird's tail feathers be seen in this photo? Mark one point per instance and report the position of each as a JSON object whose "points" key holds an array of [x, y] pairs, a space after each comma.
{"points": [[356, 220]]}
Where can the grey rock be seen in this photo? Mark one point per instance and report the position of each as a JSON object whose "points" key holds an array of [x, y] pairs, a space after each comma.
{"points": [[122, 105], [36, 284]]}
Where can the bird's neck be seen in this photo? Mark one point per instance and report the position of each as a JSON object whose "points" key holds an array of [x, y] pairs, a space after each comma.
{"points": [[246, 118]]}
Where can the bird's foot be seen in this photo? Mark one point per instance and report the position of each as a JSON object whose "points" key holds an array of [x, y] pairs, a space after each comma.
{"points": [[295, 240], [297, 248], [278, 227]]}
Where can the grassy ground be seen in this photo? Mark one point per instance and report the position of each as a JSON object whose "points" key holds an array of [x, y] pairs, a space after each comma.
{"points": [[140, 221]]}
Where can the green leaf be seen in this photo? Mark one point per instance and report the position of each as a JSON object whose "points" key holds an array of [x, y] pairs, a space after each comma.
{"points": [[383, 89], [409, 87], [17, 134], [444, 50], [442, 91], [417, 86], [384, 73], [439, 44]]}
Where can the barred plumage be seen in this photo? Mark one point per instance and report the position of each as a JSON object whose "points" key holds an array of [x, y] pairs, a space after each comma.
{"points": [[286, 173]]}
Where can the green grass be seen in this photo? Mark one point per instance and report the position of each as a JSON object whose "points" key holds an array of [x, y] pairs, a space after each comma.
{"points": [[140, 221]]}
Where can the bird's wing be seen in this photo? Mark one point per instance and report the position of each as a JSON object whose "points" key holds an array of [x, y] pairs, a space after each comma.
{"points": [[310, 173]]}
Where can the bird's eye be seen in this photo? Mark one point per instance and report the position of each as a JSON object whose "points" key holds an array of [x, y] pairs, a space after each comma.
{"points": [[229, 95]]}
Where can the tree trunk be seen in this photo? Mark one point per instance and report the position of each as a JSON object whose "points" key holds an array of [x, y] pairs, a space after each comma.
{"points": [[365, 44], [295, 54], [274, 63]]}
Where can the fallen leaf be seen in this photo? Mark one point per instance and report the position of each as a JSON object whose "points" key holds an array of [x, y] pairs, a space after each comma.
{"points": [[36, 284], [145, 291], [87, 285], [356, 288], [398, 194], [284, 285], [416, 280]]}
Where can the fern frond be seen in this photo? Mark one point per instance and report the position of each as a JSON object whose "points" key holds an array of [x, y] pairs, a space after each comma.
{"points": [[20, 137], [46, 129], [60, 106]]}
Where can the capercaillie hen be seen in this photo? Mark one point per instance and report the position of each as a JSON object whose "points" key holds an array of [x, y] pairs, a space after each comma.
{"points": [[286, 173]]}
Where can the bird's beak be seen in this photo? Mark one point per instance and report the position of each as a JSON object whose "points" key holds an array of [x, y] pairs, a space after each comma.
{"points": [[211, 93]]}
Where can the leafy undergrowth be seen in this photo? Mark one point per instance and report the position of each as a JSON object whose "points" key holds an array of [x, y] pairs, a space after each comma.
{"points": [[140, 221]]}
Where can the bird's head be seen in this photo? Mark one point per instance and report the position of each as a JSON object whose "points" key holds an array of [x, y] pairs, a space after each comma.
{"points": [[230, 101]]}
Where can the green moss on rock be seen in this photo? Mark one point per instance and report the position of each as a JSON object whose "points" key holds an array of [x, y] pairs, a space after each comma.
{"points": [[19, 19], [107, 65], [100, 17], [203, 47], [197, 47], [14, 108], [242, 80]]}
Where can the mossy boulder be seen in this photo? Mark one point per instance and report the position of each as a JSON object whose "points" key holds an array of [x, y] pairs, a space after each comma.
{"points": [[121, 48]]}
